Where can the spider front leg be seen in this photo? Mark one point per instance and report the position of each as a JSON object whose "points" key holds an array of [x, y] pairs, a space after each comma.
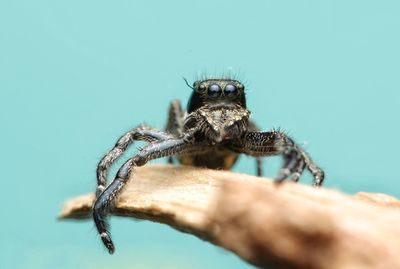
{"points": [[273, 143], [175, 121], [259, 160], [141, 133], [176, 146]]}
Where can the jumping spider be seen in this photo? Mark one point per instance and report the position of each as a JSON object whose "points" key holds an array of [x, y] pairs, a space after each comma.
{"points": [[212, 133]]}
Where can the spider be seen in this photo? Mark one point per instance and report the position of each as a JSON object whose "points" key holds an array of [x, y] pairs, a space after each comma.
{"points": [[213, 132]]}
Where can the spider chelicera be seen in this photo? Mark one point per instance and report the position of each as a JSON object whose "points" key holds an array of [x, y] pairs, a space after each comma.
{"points": [[212, 133]]}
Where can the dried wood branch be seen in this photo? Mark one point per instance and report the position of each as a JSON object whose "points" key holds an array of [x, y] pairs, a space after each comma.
{"points": [[287, 225]]}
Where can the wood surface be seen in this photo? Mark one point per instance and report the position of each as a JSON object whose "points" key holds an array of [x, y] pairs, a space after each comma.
{"points": [[267, 224]]}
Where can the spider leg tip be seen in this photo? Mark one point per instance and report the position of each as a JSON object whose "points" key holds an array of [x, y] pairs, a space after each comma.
{"points": [[278, 181], [111, 249], [105, 237]]}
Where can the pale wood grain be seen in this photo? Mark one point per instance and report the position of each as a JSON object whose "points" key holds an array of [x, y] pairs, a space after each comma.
{"points": [[287, 225]]}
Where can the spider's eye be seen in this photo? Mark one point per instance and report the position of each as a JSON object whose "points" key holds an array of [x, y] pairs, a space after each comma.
{"points": [[214, 90], [202, 87], [230, 90]]}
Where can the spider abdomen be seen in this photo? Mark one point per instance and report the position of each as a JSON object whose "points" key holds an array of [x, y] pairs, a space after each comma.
{"points": [[213, 158]]}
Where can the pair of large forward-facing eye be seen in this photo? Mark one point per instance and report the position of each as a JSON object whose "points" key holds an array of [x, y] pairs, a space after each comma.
{"points": [[214, 90]]}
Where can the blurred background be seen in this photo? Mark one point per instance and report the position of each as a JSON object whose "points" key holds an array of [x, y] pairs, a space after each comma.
{"points": [[75, 75]]}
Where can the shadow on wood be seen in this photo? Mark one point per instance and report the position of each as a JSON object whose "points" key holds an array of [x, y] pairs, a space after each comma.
{"points": [[287, 225]]}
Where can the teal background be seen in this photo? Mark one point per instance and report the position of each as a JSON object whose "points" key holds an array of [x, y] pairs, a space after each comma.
{"points": [[74, 75]]}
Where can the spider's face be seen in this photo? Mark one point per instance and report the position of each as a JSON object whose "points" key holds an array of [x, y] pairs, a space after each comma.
{"points": [[218, 92], [218, 108]]}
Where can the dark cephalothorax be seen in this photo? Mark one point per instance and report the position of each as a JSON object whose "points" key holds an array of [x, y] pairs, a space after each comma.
{"points": [[212, 133]]}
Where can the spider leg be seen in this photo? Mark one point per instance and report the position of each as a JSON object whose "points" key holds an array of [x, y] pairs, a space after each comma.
{"points": [[175, 121], [293, 161], [175, 118], [317, 172], [176, 146], [298, 170], [259, 160], [141, 133], [274, 143], [259, 164]]}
